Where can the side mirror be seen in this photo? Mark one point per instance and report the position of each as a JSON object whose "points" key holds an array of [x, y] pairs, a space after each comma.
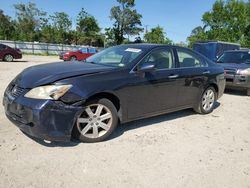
{"points": [[147, 68], [215, 59]]}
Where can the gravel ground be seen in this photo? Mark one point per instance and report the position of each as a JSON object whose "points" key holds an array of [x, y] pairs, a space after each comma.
{"points": [[180, 149]]}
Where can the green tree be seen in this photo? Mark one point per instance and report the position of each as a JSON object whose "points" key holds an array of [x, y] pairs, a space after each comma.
{"points": [[127, 20], [28, 20], [197, 34], [87, 24], [61, 21], [61, 25], [157, 35], [7, 26], [227, 21], [88, 29]]}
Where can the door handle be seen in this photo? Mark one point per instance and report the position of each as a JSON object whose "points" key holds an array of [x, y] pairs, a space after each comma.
{"points": [[173, 76], [206, 72]]}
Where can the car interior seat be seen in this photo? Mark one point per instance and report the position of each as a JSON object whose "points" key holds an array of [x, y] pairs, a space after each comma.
{"points": [[188, 62], [162, 63]]}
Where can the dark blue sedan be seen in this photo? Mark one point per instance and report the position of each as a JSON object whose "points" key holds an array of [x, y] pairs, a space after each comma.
{"points": [[119, 84]]}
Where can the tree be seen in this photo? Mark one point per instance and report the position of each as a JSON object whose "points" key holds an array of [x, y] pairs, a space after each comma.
{"points": [[28, 20], [227, 21], [87, 24], [7, 26], [61, 25], [157, 35], [127, 20], [197, 34], [61, 21], [88, 29]]}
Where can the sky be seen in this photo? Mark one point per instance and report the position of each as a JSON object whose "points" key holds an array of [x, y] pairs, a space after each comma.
{"points": [[177, 17]]}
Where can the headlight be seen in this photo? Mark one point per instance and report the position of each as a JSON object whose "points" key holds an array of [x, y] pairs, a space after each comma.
{"points": [[244, 72], [53, 92]]}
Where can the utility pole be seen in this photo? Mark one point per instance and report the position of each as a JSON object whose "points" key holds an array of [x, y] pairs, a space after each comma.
{"points": [[146, 28]]}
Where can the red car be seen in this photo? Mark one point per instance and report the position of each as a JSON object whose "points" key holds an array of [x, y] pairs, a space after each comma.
{"points": [[79, 54], [8, 54]]}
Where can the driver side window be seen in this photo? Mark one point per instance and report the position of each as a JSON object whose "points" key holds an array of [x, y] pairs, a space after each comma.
{"points": [[161, 58]]}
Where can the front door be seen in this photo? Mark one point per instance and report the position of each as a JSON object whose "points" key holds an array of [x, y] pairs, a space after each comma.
{"points": [[150, 93]]}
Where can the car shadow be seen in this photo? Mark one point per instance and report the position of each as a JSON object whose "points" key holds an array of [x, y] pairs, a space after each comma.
{"points": [[53, 143], [235, 92], [19, 61], [153, 120], [15, 61], [124, 127]]}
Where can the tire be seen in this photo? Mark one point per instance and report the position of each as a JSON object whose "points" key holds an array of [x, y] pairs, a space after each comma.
{"points": [[73, 58], [248, 92], [8, 58], [89, 125], [207, 101]]}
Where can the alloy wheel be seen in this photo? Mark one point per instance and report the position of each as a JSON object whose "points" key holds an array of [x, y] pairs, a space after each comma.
{"points": [[95, 121], [208, 99], [8, 58]]}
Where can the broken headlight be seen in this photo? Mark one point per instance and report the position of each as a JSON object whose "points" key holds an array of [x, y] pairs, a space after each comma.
{"points": [[53, 92]]}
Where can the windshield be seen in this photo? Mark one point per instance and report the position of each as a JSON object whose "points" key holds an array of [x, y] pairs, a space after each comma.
{"points": [[235, 57], [118, 56]]}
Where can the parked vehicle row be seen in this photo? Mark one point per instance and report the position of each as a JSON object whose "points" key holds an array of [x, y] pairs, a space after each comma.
{"points": [[117, 85]]}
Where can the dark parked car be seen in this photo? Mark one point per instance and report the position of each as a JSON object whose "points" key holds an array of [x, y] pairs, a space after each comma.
{"points": [[237, 69], [78, 54], [9, 54], [119, 84]]}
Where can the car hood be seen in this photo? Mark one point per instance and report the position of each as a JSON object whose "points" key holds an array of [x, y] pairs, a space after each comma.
{"points": [[48, 73], [235, 65]]}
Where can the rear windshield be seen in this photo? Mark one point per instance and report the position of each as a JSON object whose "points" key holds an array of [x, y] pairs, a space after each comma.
{"points": [[235, 57]]}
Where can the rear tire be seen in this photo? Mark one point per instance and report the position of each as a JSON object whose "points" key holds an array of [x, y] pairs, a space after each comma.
{"points": [[207, 101], [97, 122], [248, 92], [8, 58]]}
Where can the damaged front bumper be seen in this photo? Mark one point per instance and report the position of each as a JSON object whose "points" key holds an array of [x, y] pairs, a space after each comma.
{"points": [[44, 119]]}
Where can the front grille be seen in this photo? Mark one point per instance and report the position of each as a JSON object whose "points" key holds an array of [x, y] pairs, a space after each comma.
{"points": [[15, 91], [230, 71]]}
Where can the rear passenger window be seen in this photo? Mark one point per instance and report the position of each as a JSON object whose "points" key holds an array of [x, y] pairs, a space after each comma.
{"points": [[188, 59]]}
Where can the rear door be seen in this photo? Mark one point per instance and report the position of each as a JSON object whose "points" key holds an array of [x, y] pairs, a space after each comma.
{"points": [[193, 74]]}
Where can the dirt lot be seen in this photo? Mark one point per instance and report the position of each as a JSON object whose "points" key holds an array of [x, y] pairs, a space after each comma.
{"points": [[181, 149]]}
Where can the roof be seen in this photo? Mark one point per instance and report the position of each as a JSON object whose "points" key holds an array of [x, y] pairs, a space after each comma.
{"points": [[222, 42], [147, 45], [236, 51]]}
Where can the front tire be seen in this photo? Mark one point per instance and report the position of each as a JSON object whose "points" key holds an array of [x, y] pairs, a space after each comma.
{"points": [[207, 102], [97, 121], [8, 58], [73, 58]]}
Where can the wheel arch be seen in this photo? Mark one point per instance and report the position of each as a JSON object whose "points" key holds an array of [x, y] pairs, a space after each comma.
{"points": [[215, 86], [110, 96]]}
